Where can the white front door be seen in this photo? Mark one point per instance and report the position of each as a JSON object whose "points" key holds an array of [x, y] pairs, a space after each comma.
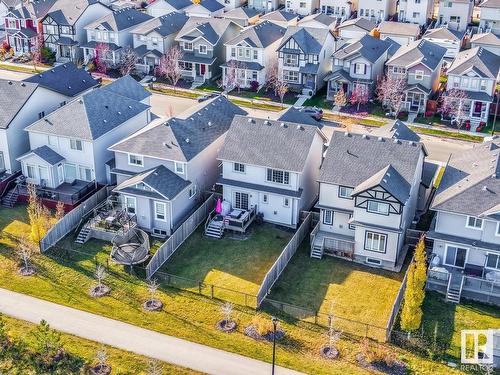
{"points": [[60, 174]]}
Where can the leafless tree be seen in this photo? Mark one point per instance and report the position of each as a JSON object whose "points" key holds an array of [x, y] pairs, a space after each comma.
{"points": [[227, 310], [169, 65], [153, 286], [100, 274], [272, 75], [102, 357], [230, 81], [359, 95], [25, 251], [36, 51], [390, 92], [101, 52], [452, 104], [281, 88], [128, 59]]}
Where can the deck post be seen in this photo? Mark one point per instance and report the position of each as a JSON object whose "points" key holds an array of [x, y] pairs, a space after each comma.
{"points": [[199, 287], [211, 291]]}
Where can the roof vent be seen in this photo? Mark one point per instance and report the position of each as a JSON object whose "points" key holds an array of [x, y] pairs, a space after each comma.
{"points": [[23, 84], [10, 82], [69, 87], [129, 107], [52, 71], [106, 106], [84, 81], [395, 140], [267, 122], [283, 125], [64, 66], [188, 140], [119, 113], [250, 120], [380, 139], [364, 136], [412, 143], [300, 127], [105, 121], [346, 134], [80, 101], [210, 123]]}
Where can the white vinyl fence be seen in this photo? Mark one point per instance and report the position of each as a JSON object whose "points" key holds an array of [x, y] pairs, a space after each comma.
{"points": [[179, 236], [277, 268], [72, 219]]}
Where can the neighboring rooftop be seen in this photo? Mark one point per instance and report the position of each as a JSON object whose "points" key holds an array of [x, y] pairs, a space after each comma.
{"points": [[208, 28], [120, 20], [362, 23], [362, 161], [243, 13], [420, 51], [399, 28], [397, 130], [96, 113], [482, 61], [66, 79], [129, 87], [321, 18], [279, 15], [168, 24], [486, 38], [471, 182], [261, 35], [67, 12], [273, 144], [14, 96], [309, 39], [210, 5], [34, 9], [176, 4], [46, 154], [296, 115], [369, 47], [495, 4], [444, 33], [183, 137]]}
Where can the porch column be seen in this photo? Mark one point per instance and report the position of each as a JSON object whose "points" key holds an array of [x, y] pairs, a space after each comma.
{"points": [[486, 112]]}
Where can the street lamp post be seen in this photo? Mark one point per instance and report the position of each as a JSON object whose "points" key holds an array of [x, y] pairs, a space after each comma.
{"points": [[275, 323], [495, 117]]}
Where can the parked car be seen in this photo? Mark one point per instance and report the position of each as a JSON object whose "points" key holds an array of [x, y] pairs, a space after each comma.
{"points": [[314, 112], [207, 96]]}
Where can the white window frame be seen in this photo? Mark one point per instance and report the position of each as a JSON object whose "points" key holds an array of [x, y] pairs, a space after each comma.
{"points": [[177, 169], [497, 267], [82, 173], [133, 199], [497, 233], [33, 175], [192, 191], [359, 66], [475, 221], [378, 204], [273, 179], [139, 160], [200, 47], [330, 221], [419, 75], [286, 202], [456, 247], [188, 44], [265, 198], [344, 189], [368, 245], [70, 165], [73, 144], [239, 168], [164, 214]]}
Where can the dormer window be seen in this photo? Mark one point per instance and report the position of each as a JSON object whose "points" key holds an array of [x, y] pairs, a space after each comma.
{"points": [[378, 208], [136, 160], [188, 46], [474, 223]]}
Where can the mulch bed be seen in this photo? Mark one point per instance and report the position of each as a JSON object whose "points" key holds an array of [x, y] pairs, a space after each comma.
{"points": [[152, 305], [100, 291], [100, 370], [398, 368], [26, 271], [329, 353], [226, 325], [250, 331]]}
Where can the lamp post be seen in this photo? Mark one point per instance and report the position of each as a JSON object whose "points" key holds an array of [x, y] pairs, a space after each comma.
{"points": [[496, 111], [275, 323]]}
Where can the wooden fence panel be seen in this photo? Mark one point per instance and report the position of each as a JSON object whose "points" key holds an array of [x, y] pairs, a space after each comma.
{"points": [[279, 265], [179, 236], [396, 306], [71, 219]]}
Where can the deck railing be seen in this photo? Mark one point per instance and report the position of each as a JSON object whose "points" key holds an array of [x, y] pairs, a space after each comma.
{"points": [[241, 224]]}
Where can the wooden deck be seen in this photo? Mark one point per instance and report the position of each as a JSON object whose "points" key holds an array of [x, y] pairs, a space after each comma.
{"points": [[333, 243]]}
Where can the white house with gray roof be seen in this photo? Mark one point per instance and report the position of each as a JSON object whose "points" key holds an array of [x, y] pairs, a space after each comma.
{"points": [[490, 16], [341, 9], [304, 58], [456, 14], [415, 11], [355, 28], [488, 41], [163, 170], [243, 16], [281, 17], [402, 33], [205, 8], [152, 39], [250, 52], [376, 10], [161, 8], [358, 63], [420, 64], [366, 203], [79, 133], [450, 39], [271, 167], [476, 72], [113, 31], [302, 7], [465, 259]]}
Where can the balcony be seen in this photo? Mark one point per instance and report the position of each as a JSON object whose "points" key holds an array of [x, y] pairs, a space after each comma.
{"points": [[327, 243]]}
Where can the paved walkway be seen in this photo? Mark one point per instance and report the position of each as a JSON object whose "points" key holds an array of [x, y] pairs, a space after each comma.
{"points": [[134, 339], [301, 100]]}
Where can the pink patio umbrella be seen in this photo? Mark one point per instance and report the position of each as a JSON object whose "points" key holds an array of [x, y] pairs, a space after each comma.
{"points": [[218, 206]]}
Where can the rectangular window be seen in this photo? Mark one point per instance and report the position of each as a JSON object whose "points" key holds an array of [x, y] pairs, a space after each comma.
{"points": [[233, 52], [70, 172], [360, 68], [188, 46], [378, 208], [179, 168], [265, 199], [302, 4], [30, 171], [203, 49], [455, 256], [345, 192], [483, 84], [192, 191], [255, 54], [137, 160], [351, 226], [474, 222], [41, 115], [2, 162], [238, 167], [498, 229], [290, 76], [377, 262], [160, 211], [278, 176], [86, 174], [419, 75], [291, 59], [375, 242], [241, 200], [130, 204], [286, 202], [75, 144], [327, 217], [493, 261]]}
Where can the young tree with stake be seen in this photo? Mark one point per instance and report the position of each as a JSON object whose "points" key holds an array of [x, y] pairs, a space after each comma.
{"points": [[390, 92], [452, 104], [128, 61], [359, 95]]}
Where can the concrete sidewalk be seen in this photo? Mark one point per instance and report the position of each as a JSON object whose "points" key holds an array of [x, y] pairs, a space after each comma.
{"points": [[134, 339]]}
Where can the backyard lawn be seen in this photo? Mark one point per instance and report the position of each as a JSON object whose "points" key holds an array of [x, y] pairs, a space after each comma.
{"points": [[352, 291], [185, 315]]}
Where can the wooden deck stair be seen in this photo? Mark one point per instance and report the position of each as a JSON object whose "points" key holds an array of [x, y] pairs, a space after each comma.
{"points": [[454, 290], [317, 251], [83, 235], [10, 198], [214, 229]]}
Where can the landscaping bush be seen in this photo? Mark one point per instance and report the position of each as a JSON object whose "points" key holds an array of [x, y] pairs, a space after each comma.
{"points": [[262, 325], [254, 86], [48, 56]]}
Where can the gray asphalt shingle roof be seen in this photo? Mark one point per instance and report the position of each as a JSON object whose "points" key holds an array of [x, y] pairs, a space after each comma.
{"points": [[397, 130], [390, 180], [90, 116], [165, 182], [360, 22], [165, 25], [66, 79], [486, 38], [273, 144], [261, 35], [279, 15], [484, 62], [45, 153], [369, 47], [176, 4], [183, 137], [297, 116], [444, 33], [14, 96], [309, 39], [67, 12], [399, 28], [359, 160], [129, 87], [420, 51], [241, 13], [471, 182], [211, 29], [120, 20]]}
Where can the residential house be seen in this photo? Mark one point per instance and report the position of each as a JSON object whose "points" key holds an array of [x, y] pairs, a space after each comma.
{"points": [[488, 41], [281, 17], [366, 203], [202, 42], [450, 39], [302, 7], [490, 16], [22, 24], [358, 63], [402, 33], [376, 10], [297, 116], [318, 20], [163, 170], [456, 14], [69, 147], [130, 88], [355, 28], [152, 39], [271, 167], [415, 11], [63, 26], [232, 4], [205, 8], [161, 8], [475, 71], [304, 57], [466, 229], [341, 9], [113, 33], [263, 5], [243, 16], [419, 63], [7, 5], [25, 102], [250, 53]]}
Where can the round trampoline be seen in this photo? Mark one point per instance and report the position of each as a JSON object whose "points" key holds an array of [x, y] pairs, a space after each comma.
{"points": [[130, 248]]}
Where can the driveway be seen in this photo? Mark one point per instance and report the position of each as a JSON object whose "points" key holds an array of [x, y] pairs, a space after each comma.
{"points": [[131, 338]]}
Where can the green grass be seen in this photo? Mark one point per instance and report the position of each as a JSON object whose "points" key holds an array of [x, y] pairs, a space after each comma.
{"points": [[357, 292], [122, 362], [266, 107], [231, 263], [447, 134], [489, 127], [179, 93], [22, 69], [319, 100], [186, 315]]}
